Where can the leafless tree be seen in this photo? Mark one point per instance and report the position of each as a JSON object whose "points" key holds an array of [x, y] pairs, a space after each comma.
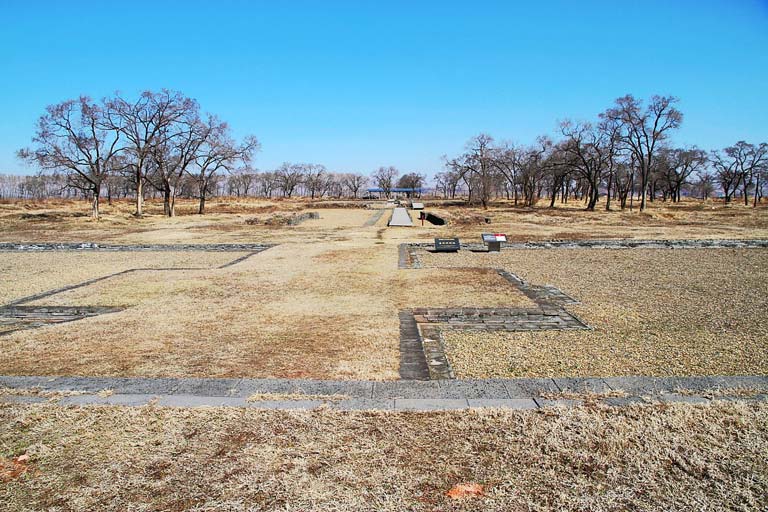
{"points": [[288, 177], [411, 180], [73, 136], [644, 129], [506, 162], [749, 161], [354, 182], [677, 166], [217, 151], [143, 124], [314, 178], [587, 149], [384, 177], [704, 183], [174, 151]]}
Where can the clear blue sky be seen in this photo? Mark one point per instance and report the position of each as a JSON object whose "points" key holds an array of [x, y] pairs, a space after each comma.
{"points": [[356, 85]]}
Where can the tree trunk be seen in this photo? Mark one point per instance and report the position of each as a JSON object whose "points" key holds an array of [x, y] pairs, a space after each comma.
{"points": [[139, 199], [746, 191], [167, 201], [95, 203]]}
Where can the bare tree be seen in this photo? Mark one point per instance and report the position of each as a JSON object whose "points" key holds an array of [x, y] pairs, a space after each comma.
{"points": [[644, 129], [217, 151], [587, 149], [354, 182], [678, 165], [73, 136], [174, 151], [705, 183], [411, 180], [143, 123], [314, 179], [750, 160], [385, 178], [288, 177], [506, 162], [726, 172]]}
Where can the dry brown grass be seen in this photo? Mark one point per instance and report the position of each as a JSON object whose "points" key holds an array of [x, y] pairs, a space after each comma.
{"points": [[690, 219], [324, 303], [27, 273], [653, 457], [654, 312], [320, 310], [225, 221]]}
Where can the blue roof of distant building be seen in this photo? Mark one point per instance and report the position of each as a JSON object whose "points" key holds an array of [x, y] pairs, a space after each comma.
{"points": [[397, 189]]}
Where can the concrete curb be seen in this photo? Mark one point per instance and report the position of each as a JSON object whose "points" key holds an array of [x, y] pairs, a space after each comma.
{"points": [[402, 395]]}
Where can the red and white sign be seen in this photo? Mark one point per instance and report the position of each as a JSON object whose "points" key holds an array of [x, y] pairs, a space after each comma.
{"points": [[494, 237]]}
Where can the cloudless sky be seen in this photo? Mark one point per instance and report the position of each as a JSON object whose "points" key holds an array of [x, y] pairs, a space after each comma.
{"points": [[360, 84]]}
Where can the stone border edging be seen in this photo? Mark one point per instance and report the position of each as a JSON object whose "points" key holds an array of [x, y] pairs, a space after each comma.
{"points": [[400, 395], [618, 243], [90, 246]]}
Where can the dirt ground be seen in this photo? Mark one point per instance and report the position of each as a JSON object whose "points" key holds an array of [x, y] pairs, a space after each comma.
{"points": [[649, 457]]}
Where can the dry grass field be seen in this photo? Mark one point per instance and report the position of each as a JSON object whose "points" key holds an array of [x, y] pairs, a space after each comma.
{"points": [[28, 273], [322, 311], [653, 458], [653, 312], [323, 303], [226, 221]]}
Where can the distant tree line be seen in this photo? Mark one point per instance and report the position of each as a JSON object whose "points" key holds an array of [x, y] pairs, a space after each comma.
{"points": [[623, 155], [160, 145]]}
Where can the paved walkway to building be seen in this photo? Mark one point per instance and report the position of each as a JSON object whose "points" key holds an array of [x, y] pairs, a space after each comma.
{"points": [[400, 217], [381, 395]]}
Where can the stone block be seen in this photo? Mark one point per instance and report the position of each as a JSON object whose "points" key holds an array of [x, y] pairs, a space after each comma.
{"points": [[406, 389], [529, 388], [503, 403], [430, 404]]}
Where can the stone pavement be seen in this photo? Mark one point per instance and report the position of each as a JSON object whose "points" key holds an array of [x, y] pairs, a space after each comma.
{"points": [[400, 217], [402, 395]]}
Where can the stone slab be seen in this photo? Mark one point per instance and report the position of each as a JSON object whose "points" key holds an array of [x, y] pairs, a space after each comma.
{"points": [[685, 399], [407, 389], [200, 401], [508, 403], [118, 385], [363, 404], [427, 404], [473, 389], [22, 399], [582, 385], [529, 388], [401, 217], [563, 402], [136, 399], [353, 389], [206, 387], [287, 404], [25, 382]]}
